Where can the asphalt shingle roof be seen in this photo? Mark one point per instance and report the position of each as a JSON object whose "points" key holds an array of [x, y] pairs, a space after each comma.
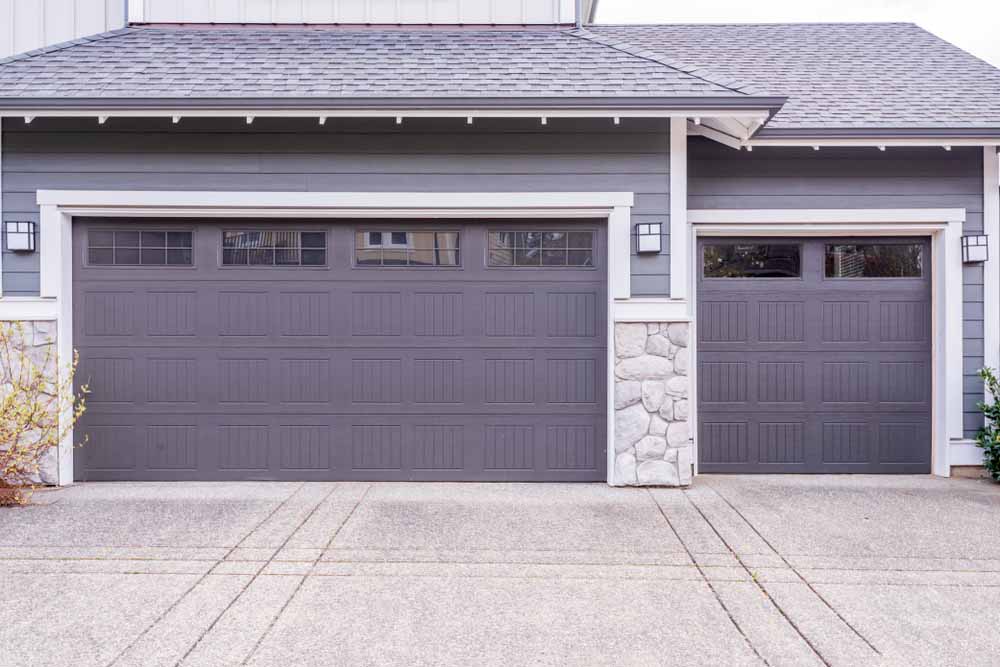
{"points": [[836, 76], [296, 62], [874, 75]]}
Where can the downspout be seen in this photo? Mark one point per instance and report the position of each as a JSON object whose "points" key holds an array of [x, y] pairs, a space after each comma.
{"points": [[579, 14], [125, 14]]}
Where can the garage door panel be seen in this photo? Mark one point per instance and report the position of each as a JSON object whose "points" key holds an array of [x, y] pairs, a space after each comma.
{"points": [[814, 374], [339, 372]]}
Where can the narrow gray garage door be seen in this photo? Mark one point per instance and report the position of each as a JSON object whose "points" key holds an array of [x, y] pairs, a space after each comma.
{"points": [[433, 350], [814, 355]]}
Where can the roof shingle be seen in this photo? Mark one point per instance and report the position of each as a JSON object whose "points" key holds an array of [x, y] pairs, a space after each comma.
{"points": [[846, 75]]}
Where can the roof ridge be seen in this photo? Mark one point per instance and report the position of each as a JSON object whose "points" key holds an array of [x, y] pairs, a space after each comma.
{"points": [[61, 46], [639, 52]]}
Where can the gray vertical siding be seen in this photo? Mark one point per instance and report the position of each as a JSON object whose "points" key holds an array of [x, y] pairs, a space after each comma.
{"points": [[721, 178], [299, 155]]}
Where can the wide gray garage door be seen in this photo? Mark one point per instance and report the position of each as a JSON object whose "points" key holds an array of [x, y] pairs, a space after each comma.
{"points": [[366, 350], [814, 355]]}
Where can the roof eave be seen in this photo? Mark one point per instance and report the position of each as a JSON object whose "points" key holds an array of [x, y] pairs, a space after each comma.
{"points": [[768, 134], [429, 106]]}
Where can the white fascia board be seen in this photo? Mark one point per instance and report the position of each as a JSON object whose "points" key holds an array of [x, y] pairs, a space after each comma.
{"points": [[873, 142], [338, 200], [827, 216], [463, 113]]}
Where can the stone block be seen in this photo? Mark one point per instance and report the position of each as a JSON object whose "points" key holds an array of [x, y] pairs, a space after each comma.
{"points": [[682, 361], [646, 367], [631, 424], [653, 393], [625, 469], [677, 386], [650, 448], [684, 463], [627, 392], [658, 346], [43, 333], [657, 426], [678, 434], [678, 333], [630, 340], [667, 410], [657, 473], [681, 410]]}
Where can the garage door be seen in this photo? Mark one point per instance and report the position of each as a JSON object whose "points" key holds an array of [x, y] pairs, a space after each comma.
{"points": [[814, 355], [385, 350]]}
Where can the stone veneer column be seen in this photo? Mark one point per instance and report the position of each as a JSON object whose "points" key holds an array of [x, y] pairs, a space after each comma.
{"points": [[38, 340], [652, 435]]}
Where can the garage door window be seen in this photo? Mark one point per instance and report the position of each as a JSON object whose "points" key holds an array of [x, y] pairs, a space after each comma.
{"points": [[752, 260], [397, 248], [875, 260], [273, 248], [106, 247], [541, 249]]}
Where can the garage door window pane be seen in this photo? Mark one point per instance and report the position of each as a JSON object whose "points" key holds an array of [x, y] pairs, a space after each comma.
{"points": [[132, 248], [273, 248], [875, 260], [416, 248], [752, 260], [541, 248]]}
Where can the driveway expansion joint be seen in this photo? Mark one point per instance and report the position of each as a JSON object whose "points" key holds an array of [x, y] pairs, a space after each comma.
{"points": [[808, 584]]}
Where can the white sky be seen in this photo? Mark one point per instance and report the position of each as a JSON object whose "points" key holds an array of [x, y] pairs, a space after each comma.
{"points": [[973, 25]]}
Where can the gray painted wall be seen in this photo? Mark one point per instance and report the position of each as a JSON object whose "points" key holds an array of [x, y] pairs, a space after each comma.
{"points": [[721, 178], [299, 155]]}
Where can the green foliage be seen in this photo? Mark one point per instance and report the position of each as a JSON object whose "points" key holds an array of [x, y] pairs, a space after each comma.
{"points": [[989, 435]]}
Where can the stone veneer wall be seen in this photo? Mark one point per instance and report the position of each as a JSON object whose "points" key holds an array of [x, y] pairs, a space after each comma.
{"points": [[652, 435], [38, 341]]}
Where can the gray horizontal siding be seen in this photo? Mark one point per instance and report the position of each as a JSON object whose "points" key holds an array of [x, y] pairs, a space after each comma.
{"points": [[367, 156], [785, 178]]}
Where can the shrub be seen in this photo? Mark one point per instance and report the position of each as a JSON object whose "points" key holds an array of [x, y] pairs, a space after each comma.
{"points": [[34, 392], [989, 435]]}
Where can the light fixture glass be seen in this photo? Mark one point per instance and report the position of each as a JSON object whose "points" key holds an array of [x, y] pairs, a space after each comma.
{"points": [[20, 236], [648, 238], [975, 248]]}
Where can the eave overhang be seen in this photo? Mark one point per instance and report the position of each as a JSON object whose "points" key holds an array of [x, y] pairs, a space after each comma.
{"points": [[742, 106], [877, 136]]}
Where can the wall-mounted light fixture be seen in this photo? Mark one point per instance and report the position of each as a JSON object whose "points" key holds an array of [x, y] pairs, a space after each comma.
{"points": [[19, 236], [647, 236], [975, 248]]}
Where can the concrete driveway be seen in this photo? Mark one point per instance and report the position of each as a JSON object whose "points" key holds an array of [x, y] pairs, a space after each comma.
{"points": [[735, 571]]}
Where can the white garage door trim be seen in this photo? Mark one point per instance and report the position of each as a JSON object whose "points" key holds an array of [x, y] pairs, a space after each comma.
{"points": [[943, 226], [58, 208]]}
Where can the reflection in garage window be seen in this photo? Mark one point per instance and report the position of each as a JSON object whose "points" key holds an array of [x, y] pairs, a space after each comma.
{"points": [[875, 260], [549, 249], [138, 248], [417, 248], [273, 248], [752, 260]]}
